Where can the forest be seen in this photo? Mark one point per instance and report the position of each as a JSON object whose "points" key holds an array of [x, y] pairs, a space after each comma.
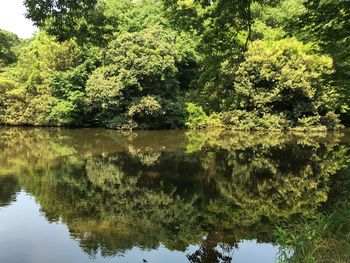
{"points": [[166, 64]]}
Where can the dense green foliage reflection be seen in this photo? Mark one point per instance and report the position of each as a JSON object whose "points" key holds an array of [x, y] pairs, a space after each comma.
{"points": [[8, 188], [116, 191]]}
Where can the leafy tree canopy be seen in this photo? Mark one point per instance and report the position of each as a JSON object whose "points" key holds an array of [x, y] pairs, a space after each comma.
{"points": [[257, 64], [8, 41]]}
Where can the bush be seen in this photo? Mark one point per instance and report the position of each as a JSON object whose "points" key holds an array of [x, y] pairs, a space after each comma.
{"points": [[196, 117], [146, 112], [244, 120], [281, 83], [22, 108], [49, 87], [214, 120], [139, 80], [5, 85]]}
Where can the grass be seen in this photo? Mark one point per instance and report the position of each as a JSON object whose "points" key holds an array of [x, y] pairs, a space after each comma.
{"points": [[326, 238]]}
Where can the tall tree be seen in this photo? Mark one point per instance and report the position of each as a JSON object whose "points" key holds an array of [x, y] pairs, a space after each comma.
{"points": [[83, 19], [328, 23]]}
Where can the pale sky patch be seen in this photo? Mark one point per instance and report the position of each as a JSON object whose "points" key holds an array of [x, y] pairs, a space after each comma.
{"points": [[12, 18]]}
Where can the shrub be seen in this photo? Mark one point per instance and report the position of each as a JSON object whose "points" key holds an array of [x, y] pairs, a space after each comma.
{"points": [[49, 87], [244, 120], [146, 112], [214, 121], [196, 117], [139, 80], [22, 108], [281, 82]]}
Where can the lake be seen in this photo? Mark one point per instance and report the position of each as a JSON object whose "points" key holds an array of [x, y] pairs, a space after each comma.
{"points": [[96, 195]]}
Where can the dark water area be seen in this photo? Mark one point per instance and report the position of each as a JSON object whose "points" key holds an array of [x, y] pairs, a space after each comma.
{"points": [[96, 195]]}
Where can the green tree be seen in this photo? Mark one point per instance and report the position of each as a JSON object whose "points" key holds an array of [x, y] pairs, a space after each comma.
{"points": [[65, 19], [284, 80], [134, 16], [328, 23], [47, 85], [139, 81], [8, 41], [203, 49]]}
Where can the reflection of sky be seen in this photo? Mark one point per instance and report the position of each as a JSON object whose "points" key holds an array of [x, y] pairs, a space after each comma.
{"points": [[250, 252], [26, 237]]}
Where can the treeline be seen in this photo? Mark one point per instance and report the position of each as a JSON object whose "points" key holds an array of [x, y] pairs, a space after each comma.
{"points": [[154, 64]]}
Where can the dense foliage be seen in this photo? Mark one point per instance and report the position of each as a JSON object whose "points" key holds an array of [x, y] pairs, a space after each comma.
{"points": [[152, 64], [138, 85], [8, 43]]}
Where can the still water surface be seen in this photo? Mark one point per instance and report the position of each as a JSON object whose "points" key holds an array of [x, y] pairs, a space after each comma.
{"points": [[95, 195]]}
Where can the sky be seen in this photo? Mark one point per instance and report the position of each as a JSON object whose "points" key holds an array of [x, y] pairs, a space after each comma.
{"points": [[12, 18]]}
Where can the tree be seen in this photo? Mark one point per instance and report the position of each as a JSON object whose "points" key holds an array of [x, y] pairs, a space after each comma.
{"points": [[328, 23], [203, 48], [134, 16], [8, 41], [65, 19], [47, 85], [139, 81], [282, 79]]}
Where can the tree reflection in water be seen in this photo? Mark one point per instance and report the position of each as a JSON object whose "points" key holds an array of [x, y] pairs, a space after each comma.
{"points": [[116, 191]]}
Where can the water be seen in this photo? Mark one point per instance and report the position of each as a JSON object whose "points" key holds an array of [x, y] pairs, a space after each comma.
{"points": [[95, 195]]}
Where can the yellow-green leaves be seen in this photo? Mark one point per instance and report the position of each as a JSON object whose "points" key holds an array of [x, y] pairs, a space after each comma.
{"points": [[282, 77], [139, 80]]}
